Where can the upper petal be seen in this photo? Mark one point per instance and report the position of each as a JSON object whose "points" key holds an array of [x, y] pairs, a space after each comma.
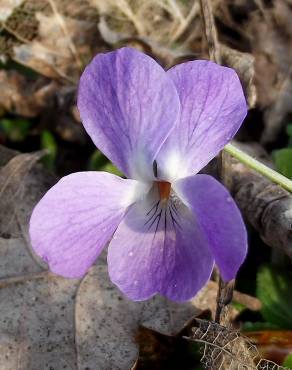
{"points": [[128, 106], [158, 249], [213, 107], [76, 218], [219, 218]]}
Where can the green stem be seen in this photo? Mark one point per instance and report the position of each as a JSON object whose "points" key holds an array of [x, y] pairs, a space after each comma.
{"points": [[259, 167]]}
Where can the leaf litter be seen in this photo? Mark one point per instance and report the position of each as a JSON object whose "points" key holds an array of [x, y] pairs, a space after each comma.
{"points": [[264, 72]]}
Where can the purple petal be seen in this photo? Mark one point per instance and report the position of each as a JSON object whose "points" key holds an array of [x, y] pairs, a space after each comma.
{"points": [[77, 217], [128, 106], [213, 107], [220, 220], [159, 250]]}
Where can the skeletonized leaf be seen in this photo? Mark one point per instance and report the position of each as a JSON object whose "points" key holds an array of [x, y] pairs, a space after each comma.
{"points": [[225, 348]]}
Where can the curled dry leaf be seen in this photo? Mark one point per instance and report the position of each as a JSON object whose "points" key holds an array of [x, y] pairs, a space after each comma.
{"points": [[243, 63], [267, 206]]}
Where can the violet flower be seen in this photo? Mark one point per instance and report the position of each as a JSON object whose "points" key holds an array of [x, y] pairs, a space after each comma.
{"points": [[166, 225]]}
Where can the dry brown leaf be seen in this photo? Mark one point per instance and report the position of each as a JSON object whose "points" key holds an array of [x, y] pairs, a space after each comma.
{"points": [[37, 326], [106, 322], [161, 21], [22, 183], [37, 308], [7, 7], [277, 114], [22, 96], [52, 37], [243, 63], [6, 154], [37, 323], [267, 206], [50, 53], [15, 259], [271, 41], [272, 46]]}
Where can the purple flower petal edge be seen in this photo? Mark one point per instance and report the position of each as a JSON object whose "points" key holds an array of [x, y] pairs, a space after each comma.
{"points": [[75, 219], [213, 108], [220, 221], [128, 106]]}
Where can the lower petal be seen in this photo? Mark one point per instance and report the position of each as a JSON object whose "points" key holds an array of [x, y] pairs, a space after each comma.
{"points": [[159, 249], [76, 218], [220, 220]]}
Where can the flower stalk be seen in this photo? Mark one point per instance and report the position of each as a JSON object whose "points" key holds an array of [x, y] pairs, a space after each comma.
{"points": [[259, 167]]}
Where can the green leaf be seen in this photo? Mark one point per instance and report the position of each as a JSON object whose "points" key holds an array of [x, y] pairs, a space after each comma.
{"points": [[109, 167], [274, 291], [239, 306], [16, 130], [49, 143], [289, 129], [283, 161], [289, 133], [288, 361], [258, 326], [96, 161]]}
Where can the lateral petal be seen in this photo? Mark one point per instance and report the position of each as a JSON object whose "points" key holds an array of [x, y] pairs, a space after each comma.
{"points": [[76, 218]]}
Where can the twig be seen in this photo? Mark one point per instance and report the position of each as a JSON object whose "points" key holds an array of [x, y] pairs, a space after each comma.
{"points": [[184, 25], [15, 34], [224, 297], [252, 303], [176, 10], [63, 26], [4, 282], [125, 8], [210, 31]]}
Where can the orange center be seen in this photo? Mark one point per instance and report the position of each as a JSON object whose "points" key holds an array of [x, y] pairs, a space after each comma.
{"points": [[164, 189]]}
